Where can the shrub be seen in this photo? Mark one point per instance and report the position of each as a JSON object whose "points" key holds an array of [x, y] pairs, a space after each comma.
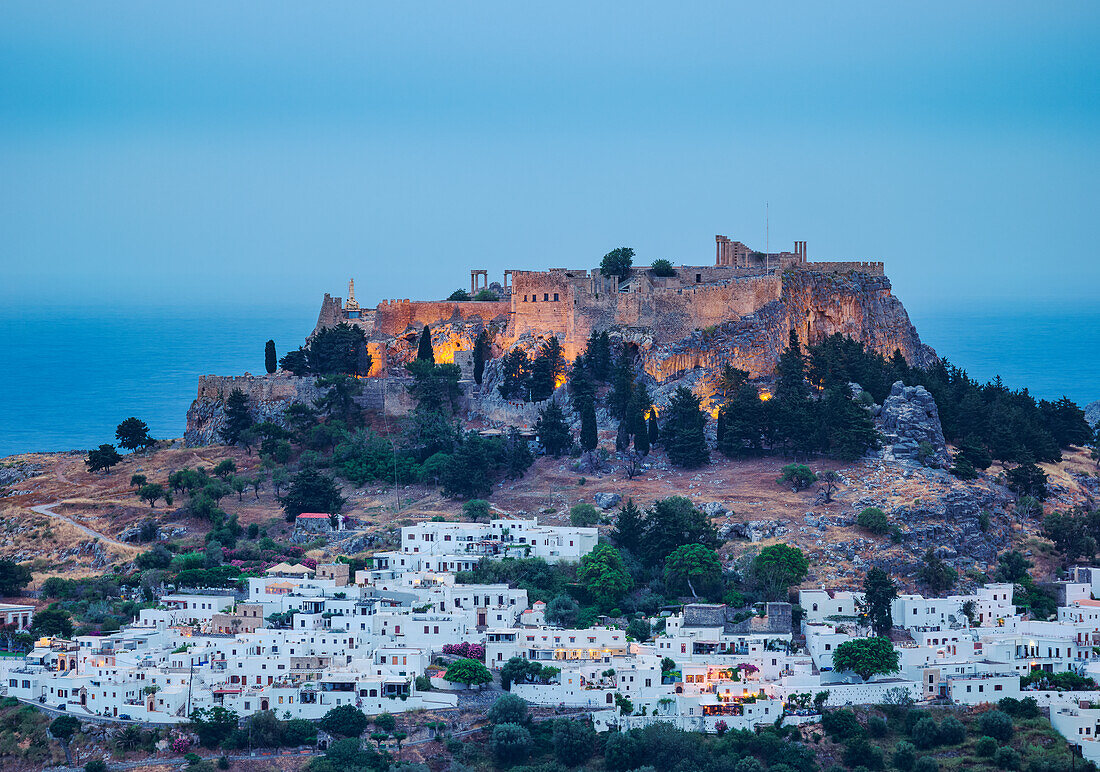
{"points": [[951, 731], [925, 734], [905, 755], [573, 741], [986, 747], [584, 516], [926, 764], [345, 721], [841, 724], [798, 476], [1006, 758], [662, 267], [876, 726], [874, 520], [859, 751], [508, 709], [465, 650], [510, 743], [996, 724], [96, 765]]}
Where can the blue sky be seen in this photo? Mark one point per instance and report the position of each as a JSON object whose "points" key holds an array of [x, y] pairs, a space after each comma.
{"points": [[252, 153]]}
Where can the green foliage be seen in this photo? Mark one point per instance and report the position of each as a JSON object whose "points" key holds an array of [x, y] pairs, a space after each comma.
{"points": [[985, 747], [925, 733], [874, 520], [542, 581], [366, 457], [132, 434], [879, 591], [905, 756], [311, 491], [936, 574], [563, 611], [798, 476], [695, 567], [552, 430], [743, 422], [102, 458], [548, 365], [339, 350], [64, 727], [54, 621], [1006, 758], [996, 724], [1028, 480], [951, 731], [152, 492], [673, 522], [13, 577], [271, 359], [604, 575], [583, 515], [238, 417], [514, 371], [573, 741], [95, 765], [385, 721], [589, 437], [1074, 534], [522, 671], [662, 267], [866, 657], [639, 629], [510, 743], [469, 471], [682, 433], [841, 724], [508, 709], [629, 530], [778, 567], [485, 295], [344, 721], [482, 353], [347, 755], [617, 262], [459, 295], [213, 725], [468, 671], [476, 509]]}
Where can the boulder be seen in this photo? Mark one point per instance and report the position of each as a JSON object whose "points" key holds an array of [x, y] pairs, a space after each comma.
{"points": [[713, 509], [908, 419], [607, 500]]}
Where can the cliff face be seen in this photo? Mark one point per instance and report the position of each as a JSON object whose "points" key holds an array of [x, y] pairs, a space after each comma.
{"points": [[816, 305]]}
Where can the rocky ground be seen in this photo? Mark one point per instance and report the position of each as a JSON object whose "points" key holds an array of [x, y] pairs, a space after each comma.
{"points": [[930, 507]]}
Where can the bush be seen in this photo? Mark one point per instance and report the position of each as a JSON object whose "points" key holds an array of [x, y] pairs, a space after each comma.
{"points": [[96, 765], [662, 267], [510, 743], [345, 721], [798, 476], [986, 747], [952, 731], [876, 726], [860, 752], [584, 516], [925, 734], [874, 520], [573, 741], [385, 721], [905, 756], [1006, 758], [841, 724], [926, 764], [508, 709], [996, 724]]}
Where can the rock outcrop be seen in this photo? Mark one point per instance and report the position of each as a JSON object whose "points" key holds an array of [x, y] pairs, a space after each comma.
{"points": [[909, 420], [816, 306]]}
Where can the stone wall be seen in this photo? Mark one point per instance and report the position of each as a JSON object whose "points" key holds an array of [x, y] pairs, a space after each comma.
{"points": [[873, 268], [393, 317]]}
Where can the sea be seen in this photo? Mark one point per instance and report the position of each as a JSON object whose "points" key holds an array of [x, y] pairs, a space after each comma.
{"points": [[70, 377]]}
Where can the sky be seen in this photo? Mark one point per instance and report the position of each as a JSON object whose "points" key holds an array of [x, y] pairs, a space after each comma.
{"points": [[258, 154]]}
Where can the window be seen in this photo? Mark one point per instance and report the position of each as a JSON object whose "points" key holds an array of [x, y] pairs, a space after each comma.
{"points": [[555, 296]]}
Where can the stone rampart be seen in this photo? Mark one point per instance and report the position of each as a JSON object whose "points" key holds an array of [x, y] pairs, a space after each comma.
{"points": [[872, 268], [393, 317]]}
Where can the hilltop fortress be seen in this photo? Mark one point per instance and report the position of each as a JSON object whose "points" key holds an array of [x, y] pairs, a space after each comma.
{"points": [[739, 310]]}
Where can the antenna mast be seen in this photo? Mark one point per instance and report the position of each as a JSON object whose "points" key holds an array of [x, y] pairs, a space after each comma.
{"points": [[767, 239]]}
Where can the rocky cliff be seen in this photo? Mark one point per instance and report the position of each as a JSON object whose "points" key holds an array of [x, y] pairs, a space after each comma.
{"points": [[816, 305]]}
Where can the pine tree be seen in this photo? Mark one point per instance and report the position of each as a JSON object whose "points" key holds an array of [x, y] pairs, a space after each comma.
{"points": [[879, 591], [238, 418], [271, 361], [514, 374], [794, 426], [629, 527], [654, 430], [742, 421], [684, 439], [424, 348], [582, 389], [481, 353], [848, 425], [553, 432], [519, 456], [597, 355], [589, 437]]}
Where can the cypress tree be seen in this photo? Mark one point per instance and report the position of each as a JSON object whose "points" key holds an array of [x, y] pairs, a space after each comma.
{"points": [[641, 436], [481, 345], [271, 361], [589, 438], [622, 387], [424, 349], [237, 417], [553, 432], [654, 430]]}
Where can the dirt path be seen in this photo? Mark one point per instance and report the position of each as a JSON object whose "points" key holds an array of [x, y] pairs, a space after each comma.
{"points": [[47, 510]]}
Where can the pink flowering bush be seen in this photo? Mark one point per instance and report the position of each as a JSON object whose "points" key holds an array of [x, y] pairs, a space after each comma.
{"points": [[309, 563], [720, 727], [180, 744], [465, 650]]}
